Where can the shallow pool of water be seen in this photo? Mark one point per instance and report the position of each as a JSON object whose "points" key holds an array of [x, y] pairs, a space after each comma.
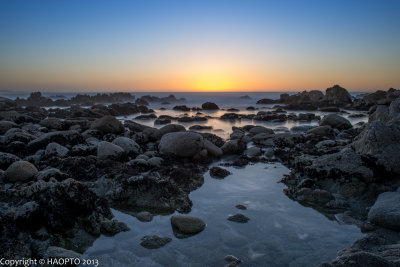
{"points": [[280, 232]]}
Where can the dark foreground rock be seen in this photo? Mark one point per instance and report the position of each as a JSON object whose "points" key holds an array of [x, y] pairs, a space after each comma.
{"points": [[187, 224], [239, 218]]}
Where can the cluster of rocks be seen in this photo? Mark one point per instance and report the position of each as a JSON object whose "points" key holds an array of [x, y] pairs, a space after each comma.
{"points": [[335, 97], [37, 99], [277, 115]]}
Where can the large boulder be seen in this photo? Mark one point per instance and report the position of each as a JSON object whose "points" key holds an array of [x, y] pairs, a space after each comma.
{"points": [[209, 106], [336, 121], [381, 113], [108, 124], [337, 95], [236, 146], [386, 211], [212, 149], [128, 145], [182, 144], [21, 171], [107, 150], [380, 142]]}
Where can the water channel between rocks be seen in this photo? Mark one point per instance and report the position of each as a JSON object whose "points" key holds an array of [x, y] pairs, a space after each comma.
{"points": [[280, 232]]}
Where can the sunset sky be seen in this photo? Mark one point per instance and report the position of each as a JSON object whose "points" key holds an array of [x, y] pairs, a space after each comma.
{"points": [[164, 45]]}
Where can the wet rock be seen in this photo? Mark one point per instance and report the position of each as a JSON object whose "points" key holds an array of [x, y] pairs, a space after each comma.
{"points": [[56, 150], [241, 207], [218, 172], [53, 123], [187, 224], [106, 150], [182, 144], [108, 124], [21, 171], [266, 101], [144, 216], [111, 227], [232, 259], [153, 241], [209, 106], [128, 145], [381, 114], [335, 121], [386, 211], [239, 218]]}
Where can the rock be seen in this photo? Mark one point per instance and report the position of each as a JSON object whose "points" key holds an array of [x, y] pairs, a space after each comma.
{"points": [[170, 128], [301, 128], [51, 173], [200, 127], [111, 227], [253, 151], [209, 106], [386, 211], [128, 145], [108, 124], [337, 95], [381, 114], [361, 259], [345, 163], [21, 171], [380, 142], [155, 161], [212, 149], [241, 207], [233, 147], [153, 241], [188, 224], [64, 138], [182, 144], [56, 150], [239, 218], [260, 129], [336, 121], [232, 259], [266, 101], [144, 216], [6, 125], [106, 150], [218, 172], [53, 123], [6, 159], [326, 131], [181, 108]]}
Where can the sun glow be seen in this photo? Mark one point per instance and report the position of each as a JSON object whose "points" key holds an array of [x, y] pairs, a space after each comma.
{"points": [[212, 82]]}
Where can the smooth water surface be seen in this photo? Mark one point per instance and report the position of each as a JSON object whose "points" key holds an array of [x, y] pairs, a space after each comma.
{"points": [[280, 232]]}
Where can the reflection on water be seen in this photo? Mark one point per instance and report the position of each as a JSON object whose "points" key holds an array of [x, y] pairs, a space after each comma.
{"points": [[280, 232], [223, 128]]}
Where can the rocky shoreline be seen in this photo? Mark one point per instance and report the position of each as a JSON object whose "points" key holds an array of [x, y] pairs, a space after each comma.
{"points": [[62, 169]]}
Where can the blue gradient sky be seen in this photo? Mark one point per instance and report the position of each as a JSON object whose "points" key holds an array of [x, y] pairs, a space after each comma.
{"points": [[198, 45]]}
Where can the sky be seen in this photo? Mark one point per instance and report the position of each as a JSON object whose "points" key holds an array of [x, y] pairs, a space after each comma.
{"points": [[199, 45]]}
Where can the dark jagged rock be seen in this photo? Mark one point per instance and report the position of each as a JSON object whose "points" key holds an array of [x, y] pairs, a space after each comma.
{"points": [[218, 172]]}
